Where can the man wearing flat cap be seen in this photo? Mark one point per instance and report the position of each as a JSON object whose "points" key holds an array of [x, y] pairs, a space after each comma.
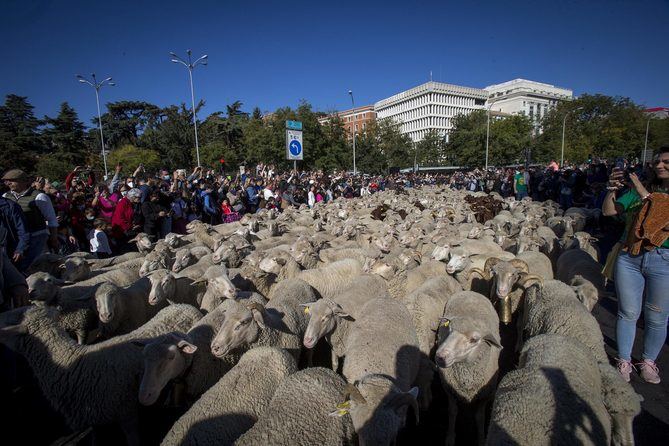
{"points": [[41, 222]]}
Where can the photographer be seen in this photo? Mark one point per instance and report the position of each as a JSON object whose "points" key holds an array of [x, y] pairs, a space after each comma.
{"points": [[74, 178], [642, 265]]}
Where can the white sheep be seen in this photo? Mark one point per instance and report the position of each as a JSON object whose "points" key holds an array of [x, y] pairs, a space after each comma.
{"points": [[382, 359], [331, 279], [426, 305], [298, 414], [468, 356], [186, 357], [279, 323], [554, 308], [88, 385], [555, 397], [123, 309], [166, 286], [188, 256], [234, 404], [332, 318]]}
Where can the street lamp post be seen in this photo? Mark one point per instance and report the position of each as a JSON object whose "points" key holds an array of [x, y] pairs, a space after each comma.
{"points": [[96, 86], [190, 65], [350, 92], [564, 123], [487, 133], [645, 144]]}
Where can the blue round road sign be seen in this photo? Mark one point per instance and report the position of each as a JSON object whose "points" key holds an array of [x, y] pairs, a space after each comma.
{"points": [[295, 147]]}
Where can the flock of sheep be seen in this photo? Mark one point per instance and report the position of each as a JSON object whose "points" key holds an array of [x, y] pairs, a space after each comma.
{"points": [[403, 287]]}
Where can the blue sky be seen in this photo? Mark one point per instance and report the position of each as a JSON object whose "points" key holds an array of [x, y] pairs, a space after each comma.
{"points": [[273, 53]]}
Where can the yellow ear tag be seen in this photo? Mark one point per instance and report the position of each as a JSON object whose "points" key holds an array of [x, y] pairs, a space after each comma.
{"points": [[446, 323], [339, 413], [307, 310], [344, 405]]}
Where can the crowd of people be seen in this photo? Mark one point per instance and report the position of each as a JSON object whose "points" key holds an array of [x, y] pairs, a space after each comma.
{"points": [[83, 214]]}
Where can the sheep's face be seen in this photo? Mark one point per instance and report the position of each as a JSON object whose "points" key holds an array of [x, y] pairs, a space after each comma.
{"points": [[153, 263], [384, 244], [526, 244], [323, 317], [43, 287], [440, 253], [182, 259], [220, 286], [585, 291], [239, 328], [74, 270], [459, 261], [143, 242], [272, 265], [254, 225], [475, 232], [456, 346], [164, 360], [106, 302], [163, 287], [505, 276], [173, 240], [223, 252]]}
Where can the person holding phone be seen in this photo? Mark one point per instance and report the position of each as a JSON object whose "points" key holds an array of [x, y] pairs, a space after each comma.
{"points": [[642, 268]]}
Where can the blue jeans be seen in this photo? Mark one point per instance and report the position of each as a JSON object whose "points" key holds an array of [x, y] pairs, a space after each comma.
{"points": [[520, 195], [635, 276]]}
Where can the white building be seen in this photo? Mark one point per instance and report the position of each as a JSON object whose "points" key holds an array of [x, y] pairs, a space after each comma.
{"points": [[432, 105], [532, 99]]}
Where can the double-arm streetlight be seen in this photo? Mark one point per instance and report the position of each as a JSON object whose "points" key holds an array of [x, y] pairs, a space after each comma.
{"points": [[97, 85], [350, 92], [564, 123], [190, 65]]}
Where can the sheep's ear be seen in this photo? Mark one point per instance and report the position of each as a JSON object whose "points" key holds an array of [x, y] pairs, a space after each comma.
{"points": [[258, 312], [280, 260], [186, 347], [339, 311], [12, 331], [491, 340]]}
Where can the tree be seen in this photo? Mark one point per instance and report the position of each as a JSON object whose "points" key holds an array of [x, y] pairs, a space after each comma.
{"points": [[125, 121], [395, 147], [431, 150], [64, 136], [20, 141], [130, 157], [508, 139], [604, 126]]}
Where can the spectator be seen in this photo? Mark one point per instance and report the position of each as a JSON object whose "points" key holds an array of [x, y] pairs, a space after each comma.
{"points": [[99, 243], [13, 235], [41, 222], [103, 204], [521, 183], [153, 212], [641, 275], [123, 220]]}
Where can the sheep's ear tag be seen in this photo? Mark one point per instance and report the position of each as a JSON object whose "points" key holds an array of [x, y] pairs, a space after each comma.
{"points": [[342, 409], [445, 323], [307, 310]]}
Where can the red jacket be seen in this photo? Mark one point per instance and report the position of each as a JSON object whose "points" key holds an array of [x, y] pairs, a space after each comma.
{"points": [[70, 176], [122, 218]]}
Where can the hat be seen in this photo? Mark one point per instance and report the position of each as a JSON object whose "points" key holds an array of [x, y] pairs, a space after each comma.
{"points": [[134, 193], [15, 174]]}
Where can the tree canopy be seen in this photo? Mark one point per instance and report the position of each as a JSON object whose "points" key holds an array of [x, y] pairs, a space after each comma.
{"points": [[598, 125]]}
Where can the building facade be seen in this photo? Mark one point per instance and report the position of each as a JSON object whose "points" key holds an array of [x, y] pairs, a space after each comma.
{"points": [[529, 98], [430, 106], [358, 118]]}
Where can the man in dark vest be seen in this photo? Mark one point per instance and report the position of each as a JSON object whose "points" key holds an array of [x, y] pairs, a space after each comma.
{"points": [[41, 222]]}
